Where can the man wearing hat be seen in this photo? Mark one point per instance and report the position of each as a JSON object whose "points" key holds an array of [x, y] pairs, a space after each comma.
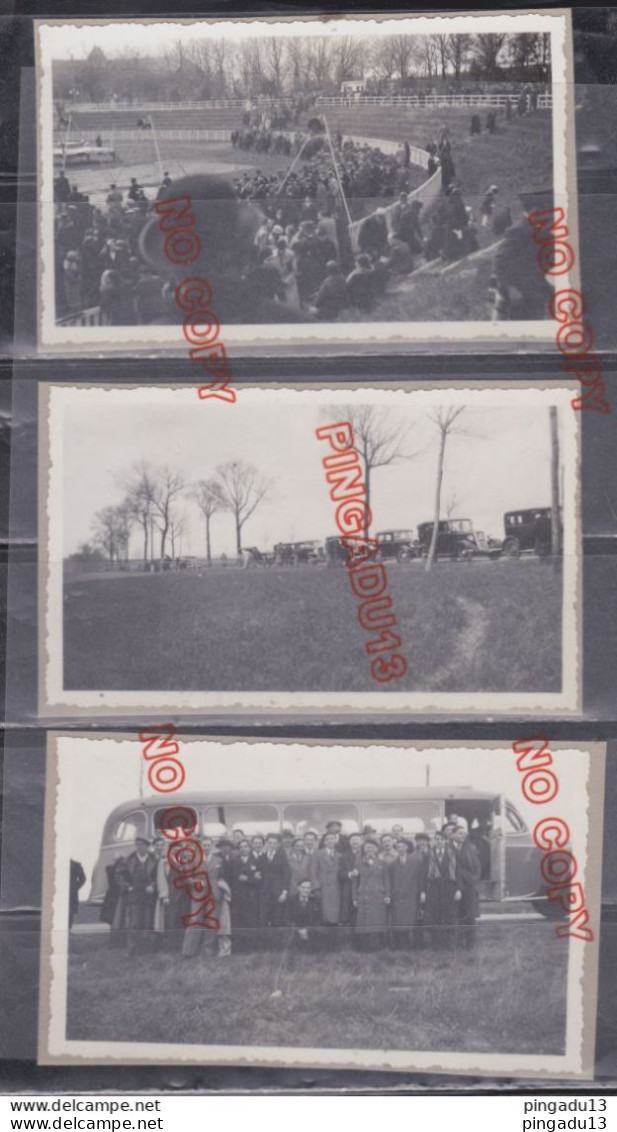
{"points": [[141, 869]]}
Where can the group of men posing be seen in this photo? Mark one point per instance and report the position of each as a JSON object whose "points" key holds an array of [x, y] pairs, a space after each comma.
{"points": [[307, 893]]}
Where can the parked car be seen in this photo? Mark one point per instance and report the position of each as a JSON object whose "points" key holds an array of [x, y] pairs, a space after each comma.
{"points": [[528, 530], [335, 552], [399, 544], [457, 539], [310, 551]]}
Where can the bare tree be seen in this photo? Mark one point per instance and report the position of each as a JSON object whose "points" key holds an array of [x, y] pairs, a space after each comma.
{"points": [[319, 58], [210, 498], [168, 485], [444, 419], [140, 486], [430, 55], [108, 527], [274, 62], [379, 441], [452, 504], [458, 50], [383, 59], [177, 527], [348, 59], [403, 53], [442, 46], [243, 489], [486, 50]]}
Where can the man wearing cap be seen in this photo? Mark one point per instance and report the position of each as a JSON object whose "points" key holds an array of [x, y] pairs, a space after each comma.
{"points": [[140, 896], [341, 842]]}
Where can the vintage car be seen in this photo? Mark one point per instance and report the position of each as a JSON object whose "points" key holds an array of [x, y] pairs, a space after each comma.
{"points": [[336, 554], [310, 551], [457, 539], [509, 858], [528, 530], [399, 544]]}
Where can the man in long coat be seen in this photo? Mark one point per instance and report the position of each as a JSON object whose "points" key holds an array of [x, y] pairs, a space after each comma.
{"points": [[406, 879], [371, 897], [141, 896], [441, 890], [244, 879], [325, 881], [468, 879], [274, 868], [349, 864]]}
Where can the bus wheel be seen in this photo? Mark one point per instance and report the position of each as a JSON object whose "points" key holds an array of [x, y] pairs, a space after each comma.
{"points": [[511, 548], [550, 909]]}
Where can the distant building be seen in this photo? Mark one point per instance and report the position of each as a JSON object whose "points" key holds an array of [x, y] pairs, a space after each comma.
{"points": [[353, 87]]}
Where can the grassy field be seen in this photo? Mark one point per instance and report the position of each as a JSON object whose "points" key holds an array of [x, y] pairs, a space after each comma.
{"points": [[479, 626], [507, 997]]}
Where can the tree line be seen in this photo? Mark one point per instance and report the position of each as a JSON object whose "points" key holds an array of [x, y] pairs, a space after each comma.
{"points": [[275, 67], [152, 505]]}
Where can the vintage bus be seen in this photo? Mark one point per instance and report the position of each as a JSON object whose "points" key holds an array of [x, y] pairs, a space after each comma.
{"points": [[510, 859]]}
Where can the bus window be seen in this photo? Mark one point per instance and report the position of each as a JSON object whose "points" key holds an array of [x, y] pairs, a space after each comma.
{"points": [[315, 815], [415, 817], [131, 826], [251, 819], [177, 816]]}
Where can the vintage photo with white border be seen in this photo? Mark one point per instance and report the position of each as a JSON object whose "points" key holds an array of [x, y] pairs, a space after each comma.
{"points": [[429, 907], [282, 554], [364, 180]]}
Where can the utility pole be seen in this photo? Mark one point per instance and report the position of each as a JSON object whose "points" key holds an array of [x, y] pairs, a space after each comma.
{"points": [[555, 512]]}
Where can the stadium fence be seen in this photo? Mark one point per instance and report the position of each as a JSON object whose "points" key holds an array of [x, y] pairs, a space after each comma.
{"points": [[545, 102]]}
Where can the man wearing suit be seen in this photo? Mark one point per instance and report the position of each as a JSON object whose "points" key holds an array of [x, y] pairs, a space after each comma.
{"points": [[141, 896], [468, 880], [276, 874], [441, 891], [341, 842], [325, 880], [305, 919], [406, 881]]}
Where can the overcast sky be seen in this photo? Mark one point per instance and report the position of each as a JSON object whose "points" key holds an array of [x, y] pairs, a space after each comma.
{"points": [[97, 775], [499, 461], [63, 41]]}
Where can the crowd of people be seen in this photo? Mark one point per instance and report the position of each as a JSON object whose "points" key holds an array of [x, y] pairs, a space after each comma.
{"points": [[98, 263], [306, 893], [304, 259]]}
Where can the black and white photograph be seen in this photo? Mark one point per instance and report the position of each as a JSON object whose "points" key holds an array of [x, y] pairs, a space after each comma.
{"points": [[332, 549], [374, 906], [366, 180]]}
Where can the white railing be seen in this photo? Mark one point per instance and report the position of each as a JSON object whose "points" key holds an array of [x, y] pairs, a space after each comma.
{"points": [[92, 317], [427, 194], [119, 134], [493, 99], [416, 156], [148, 107], [545, 101]]}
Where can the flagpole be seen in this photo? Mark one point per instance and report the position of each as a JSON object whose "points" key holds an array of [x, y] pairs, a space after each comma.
{"points": [[336, 172]]}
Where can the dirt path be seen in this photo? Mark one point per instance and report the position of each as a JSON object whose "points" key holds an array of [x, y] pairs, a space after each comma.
{"points": [[471, 640]]}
